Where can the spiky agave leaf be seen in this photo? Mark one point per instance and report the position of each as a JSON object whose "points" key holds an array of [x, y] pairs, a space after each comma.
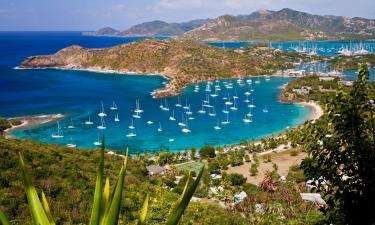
{"points": [[184, 200], [105, 201], [47, 209], [114, 209], [3, 219], [37, 211], [143, 212], [95, 212]]}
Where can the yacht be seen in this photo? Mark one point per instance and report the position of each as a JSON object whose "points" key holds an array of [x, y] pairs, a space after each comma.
{"points": [[71, 125], [150, 122], [212, 113], [225, 122], [97, 143], [172, 118], [178, 104], [247, 119], [137, 107], [202, 111], [217, 127], [114, 106], [89, 122], [59, 133], [131, 134], [117, 119], [160, 129], [102, 125], [131, 126], [71, 144], [265, 110], [102, 113]]}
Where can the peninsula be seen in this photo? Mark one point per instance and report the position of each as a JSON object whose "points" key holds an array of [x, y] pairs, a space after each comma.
{"points": [[183, 62]]}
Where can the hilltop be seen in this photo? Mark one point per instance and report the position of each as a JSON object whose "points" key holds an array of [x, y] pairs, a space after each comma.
{"points": [[263, 25], [183, 62], [283, 25]]}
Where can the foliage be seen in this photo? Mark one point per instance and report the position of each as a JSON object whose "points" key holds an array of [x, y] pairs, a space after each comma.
{"points": [[207, 152], [342, 155], [235, 179]]}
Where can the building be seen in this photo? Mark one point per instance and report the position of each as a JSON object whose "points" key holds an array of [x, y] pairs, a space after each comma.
{"points": [[240, 197], [154, 169], [313, 197]]}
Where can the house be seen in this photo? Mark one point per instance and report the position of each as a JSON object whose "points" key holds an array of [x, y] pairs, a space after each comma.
{"points": [[216, 190], [240, 197], [313, 197], [304, 90], [326, 78], [215, 176], [154, 169]]}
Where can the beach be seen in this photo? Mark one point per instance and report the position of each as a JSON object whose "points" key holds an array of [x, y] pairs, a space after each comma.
{"points": [[317, 110]]}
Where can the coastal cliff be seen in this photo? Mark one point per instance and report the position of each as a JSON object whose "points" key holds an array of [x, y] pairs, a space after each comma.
{"points": [[182, 62]]}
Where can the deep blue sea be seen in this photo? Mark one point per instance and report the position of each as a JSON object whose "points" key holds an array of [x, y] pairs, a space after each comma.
{"points": [[78, 94]]}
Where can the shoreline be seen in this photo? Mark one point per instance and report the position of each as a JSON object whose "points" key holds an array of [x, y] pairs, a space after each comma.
{"points": [[316, 112], [29, 122]]}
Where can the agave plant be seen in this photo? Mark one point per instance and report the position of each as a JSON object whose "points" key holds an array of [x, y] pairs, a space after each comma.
{"points": [[106, 205]]}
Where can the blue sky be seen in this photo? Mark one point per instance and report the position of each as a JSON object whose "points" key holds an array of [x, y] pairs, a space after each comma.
{"points": [[121, 14]]}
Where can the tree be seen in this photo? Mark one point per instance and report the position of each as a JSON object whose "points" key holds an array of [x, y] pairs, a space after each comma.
{"points": [[342, 154], [207, 152], [236, 179], [193, 151]]}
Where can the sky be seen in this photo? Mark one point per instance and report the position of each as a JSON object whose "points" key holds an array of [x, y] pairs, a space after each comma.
{"points": [[88, 15]]}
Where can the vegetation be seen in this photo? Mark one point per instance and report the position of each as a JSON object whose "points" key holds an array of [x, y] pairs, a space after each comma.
{"points": [[184, 62], [8, 123], [342, 155], [351, 62], [319, 90]]}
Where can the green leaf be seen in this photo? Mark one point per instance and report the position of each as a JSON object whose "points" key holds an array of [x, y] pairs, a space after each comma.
{"points": [[47, 209], [105, 201], [143, 212], [95, 213], [114, 209], [3, 219], [37, 212], [184, 200]]}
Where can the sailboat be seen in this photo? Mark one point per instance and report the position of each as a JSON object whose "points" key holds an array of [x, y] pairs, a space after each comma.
{"points": [[247, 119], [182, 124], [71, 144], [249, 114], [137, 107], [225, 110], [235, 95], [165, 107], [97, 143], [137, 115], [214, 94], [102, 113], [189, 112], [160, 129], [102, 125], [247, 99], [172, 118], [150, 122], [202, 111], [71, 125], [217, 127], [225, 122], [131, 134], [178, 104], [265, 110], [114, 106], [59, 133], [186, 105], [252, 103], [212, 112], [117, 119], [234, 107], [131, 126], [89, 122], [186, 128], [257, 81]]}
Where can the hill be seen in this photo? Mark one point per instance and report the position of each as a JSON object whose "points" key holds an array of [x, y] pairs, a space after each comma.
{"points": [[152, 28], [283, 25], [182, 62]]}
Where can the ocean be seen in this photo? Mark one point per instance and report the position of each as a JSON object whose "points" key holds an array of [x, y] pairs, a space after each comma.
{"points": [[79, 95]]}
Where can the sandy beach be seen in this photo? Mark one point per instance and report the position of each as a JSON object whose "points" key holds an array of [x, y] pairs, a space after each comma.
{"points": [[32, 121], [317, 110]]}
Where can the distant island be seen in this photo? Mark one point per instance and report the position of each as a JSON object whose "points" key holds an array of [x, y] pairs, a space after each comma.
{"points": [[183, 62], [262, 25]]}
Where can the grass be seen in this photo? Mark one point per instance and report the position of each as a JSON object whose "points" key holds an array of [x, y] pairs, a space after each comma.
{"points": [[190, 167]]}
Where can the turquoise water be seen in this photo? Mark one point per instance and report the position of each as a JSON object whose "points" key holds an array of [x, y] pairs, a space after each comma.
{"points": [[78, 94]]}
